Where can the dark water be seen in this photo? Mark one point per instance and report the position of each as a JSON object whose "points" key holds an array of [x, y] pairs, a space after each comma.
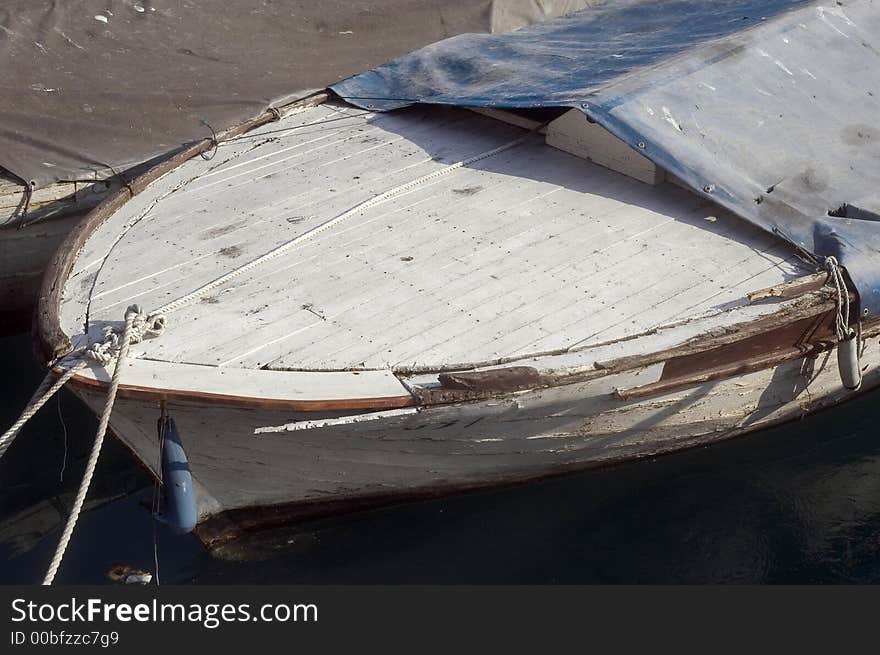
{"points": [[796, 504]]}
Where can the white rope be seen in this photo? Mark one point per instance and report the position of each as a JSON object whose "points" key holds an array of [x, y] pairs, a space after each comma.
{"points": [[133, 316], [326, 225], [841, 320]]}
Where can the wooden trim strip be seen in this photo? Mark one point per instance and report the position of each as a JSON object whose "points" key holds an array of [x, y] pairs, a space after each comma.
{"points": [[159, 394], [813, 336]]}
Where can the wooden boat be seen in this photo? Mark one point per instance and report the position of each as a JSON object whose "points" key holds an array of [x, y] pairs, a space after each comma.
{"points": [[365, 308]]}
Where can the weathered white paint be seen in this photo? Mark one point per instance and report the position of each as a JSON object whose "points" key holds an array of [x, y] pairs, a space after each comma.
{"points": [[342, 420]]}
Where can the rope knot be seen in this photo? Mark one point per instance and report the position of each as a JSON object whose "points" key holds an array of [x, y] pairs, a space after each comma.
{"points": [[140, 325]]}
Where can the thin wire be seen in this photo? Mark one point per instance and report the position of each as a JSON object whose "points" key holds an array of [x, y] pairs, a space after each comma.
{"points": [[409, 100], [264, 133], [804, 255], [29, 192], [124, 180], [214, 143], [156, 493], [64, 428]]}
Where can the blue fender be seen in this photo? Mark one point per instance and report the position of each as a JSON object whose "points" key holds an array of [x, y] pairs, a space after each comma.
{"points": [[178, 495]]}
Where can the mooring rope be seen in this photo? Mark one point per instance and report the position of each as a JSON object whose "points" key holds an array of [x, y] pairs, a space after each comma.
{"points": [[131, 316], [114, 346], [103, 352]]}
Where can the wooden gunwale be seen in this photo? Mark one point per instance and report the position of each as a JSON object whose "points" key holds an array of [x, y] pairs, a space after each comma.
{"points": [[751, 347]]}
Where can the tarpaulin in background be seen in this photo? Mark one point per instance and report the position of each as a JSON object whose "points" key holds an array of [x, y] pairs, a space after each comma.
{"points": [[96, 86]]}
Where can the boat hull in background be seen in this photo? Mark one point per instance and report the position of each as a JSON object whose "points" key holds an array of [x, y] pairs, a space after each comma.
{"points": [[24, 254]]}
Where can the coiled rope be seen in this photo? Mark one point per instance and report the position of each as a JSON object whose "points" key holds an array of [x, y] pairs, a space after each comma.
{"points": [[841, 320]]}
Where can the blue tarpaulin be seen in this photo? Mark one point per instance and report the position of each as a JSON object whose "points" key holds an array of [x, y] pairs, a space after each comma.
{"points": [[771, 108]]}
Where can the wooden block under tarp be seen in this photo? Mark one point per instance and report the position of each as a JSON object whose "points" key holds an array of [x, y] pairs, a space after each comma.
{"points": [[573, 133]]}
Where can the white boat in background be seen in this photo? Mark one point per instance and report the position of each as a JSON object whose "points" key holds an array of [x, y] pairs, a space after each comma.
{"points": [[365, 308]]}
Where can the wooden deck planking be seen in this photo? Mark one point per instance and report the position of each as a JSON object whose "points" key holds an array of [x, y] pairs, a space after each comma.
{"points": [[450, 289], [515, 285], [536, 229], [568, 313], [272, 270], [274, 316], [259, 232], [661, 303]]}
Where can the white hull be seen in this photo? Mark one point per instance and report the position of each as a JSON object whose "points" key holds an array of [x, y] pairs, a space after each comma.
{"points": [[309, 469]]}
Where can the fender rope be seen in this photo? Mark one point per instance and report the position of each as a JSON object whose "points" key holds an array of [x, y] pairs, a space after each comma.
{"points": [[841, 321]]}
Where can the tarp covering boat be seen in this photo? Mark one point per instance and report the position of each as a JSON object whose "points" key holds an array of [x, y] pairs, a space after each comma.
{"points": [[96, 86], [769, 107]]}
